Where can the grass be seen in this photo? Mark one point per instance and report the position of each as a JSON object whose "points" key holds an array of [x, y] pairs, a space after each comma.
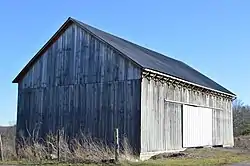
{"points": [[93, 151], [193, 157], [85, 149], [201, 157], [197, 157]]}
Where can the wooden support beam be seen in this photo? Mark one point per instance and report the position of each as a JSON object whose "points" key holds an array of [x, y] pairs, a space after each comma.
{"points": [[1, 148], [117, 148], [191, 83], [196, 105], [58, 145], [161, 81], [166, 79], [146, 74], [153, 76], [156, 76]]}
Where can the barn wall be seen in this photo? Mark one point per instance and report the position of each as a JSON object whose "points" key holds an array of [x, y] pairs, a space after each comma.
{"points": [[81, 84], [161, 122]]}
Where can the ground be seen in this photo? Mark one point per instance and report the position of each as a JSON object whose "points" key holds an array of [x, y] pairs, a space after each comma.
{"points": [[237, 156], [204, 156], [241, 164]]}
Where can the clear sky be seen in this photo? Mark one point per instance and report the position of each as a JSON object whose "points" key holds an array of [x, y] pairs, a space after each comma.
{"points": [[212, 36]]}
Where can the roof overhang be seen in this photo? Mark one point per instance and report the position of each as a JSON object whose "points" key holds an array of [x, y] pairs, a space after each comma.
{"points": [[232, 96], [43, 49], [71, 21]]}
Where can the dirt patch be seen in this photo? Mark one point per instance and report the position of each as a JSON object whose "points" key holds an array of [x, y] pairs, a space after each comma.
{"points": [[194, 153], [169, 155], [242, 142], [189, 153]]}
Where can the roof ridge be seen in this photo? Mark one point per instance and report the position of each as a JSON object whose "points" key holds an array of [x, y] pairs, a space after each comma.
{"points": [[163, 62], [142, 56], [145, 50], [125, 40]]}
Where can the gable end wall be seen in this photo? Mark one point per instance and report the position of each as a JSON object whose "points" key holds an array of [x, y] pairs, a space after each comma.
{"points": [[81, 84]]}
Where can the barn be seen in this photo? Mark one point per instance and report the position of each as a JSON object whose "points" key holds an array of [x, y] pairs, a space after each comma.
{"points": [[86, 80]]}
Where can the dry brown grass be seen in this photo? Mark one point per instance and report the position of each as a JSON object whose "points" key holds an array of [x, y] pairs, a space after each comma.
{"points": [[82, 150], [89, 150], [242, 142], [8, 139]]}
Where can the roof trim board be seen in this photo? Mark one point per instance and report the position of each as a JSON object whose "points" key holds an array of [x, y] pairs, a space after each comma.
{"points": [[62, 29], [42, 50], [191, 83]]}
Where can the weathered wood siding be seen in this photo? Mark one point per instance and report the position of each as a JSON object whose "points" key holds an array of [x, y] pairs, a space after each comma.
{"points": [[81, 84], [161, 121]]}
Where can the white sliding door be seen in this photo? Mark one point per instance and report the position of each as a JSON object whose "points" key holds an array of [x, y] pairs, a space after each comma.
{"points": [[197, 126]]}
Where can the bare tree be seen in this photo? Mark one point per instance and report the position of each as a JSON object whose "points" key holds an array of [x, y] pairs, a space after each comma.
{"points": [[241, 118]]}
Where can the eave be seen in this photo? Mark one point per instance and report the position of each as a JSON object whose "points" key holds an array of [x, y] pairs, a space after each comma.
{"points": [[161, 77]]}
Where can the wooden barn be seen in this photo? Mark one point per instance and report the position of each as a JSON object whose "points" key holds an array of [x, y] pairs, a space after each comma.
{"points": [[86, 80]]}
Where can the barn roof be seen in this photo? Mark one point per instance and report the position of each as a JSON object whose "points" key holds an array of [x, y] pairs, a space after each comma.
{"points": [[144, 57]]}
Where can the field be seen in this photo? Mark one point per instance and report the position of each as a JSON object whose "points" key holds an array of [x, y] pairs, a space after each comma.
{"points": [[205, 156], [94, 153]]}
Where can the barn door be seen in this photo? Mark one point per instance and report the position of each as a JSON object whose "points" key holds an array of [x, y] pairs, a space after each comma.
{"points": [[197, 126]]}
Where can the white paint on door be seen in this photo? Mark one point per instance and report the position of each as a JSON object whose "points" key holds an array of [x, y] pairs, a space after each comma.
{"points": [[197, 126]]}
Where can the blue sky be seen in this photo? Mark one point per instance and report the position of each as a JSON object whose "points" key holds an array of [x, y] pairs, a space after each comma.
{"points": [[211, 36]]}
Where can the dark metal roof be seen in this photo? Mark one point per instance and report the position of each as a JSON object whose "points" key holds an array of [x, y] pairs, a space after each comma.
{"points": [[149, 59]]}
